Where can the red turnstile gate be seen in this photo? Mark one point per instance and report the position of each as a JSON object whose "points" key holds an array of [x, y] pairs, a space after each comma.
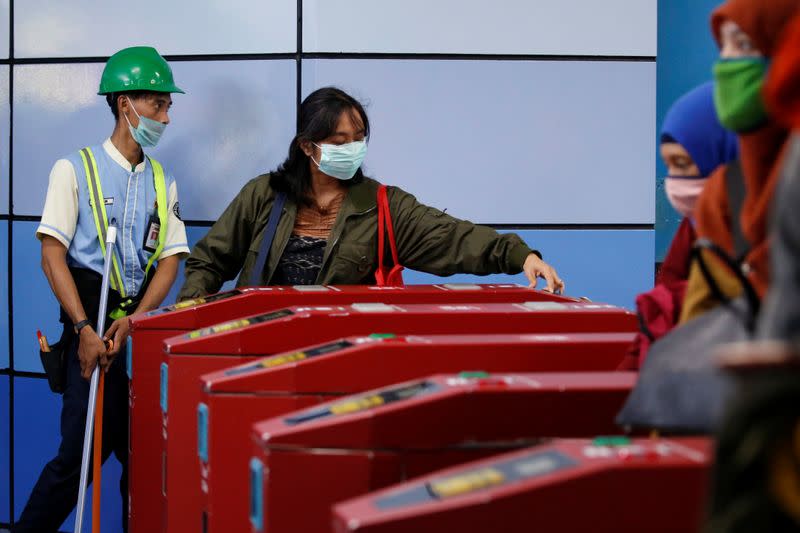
{"points": [[308, 460], [603, 485], [149, 331], [237, 397], [199, 352]]}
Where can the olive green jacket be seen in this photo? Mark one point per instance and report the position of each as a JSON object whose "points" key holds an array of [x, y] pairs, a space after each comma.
{"points": [[427, 240]]}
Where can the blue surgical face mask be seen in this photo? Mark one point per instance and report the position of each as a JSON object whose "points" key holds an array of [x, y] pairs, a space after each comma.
{"points": [[148, 132], [341, 161]]}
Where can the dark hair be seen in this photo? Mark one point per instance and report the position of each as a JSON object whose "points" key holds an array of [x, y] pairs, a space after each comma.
{"points": [[319, 116], [113, 98]]}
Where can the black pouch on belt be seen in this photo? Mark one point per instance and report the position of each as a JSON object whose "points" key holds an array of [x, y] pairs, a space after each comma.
{"points": [[88, 284], [54, 362]]}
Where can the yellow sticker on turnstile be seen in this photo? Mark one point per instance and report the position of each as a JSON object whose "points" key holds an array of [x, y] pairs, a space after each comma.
{"points": [[357, 404], [189, 303], [466, 483], [220, 328], [362, 403], [239, 324], [194, 302], [279, 360], [289, 358]]}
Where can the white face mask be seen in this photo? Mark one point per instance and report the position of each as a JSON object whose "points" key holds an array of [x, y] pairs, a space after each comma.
{"points": [[148, 132], [341, 161], [683, 192]]}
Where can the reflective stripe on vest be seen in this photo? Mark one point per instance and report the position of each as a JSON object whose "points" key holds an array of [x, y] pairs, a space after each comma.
{"points": [[162, 208], [101, 219]]}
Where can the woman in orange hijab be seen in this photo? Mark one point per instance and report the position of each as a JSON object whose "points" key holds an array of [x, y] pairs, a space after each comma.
{"points": [[756, 479], [782, 91], [748, 33], [780, 315]]}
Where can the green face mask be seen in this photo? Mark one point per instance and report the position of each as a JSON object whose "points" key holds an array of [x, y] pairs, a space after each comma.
{"points": [[737, 93]]}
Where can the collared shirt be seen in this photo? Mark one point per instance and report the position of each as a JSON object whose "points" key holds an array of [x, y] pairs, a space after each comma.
{"points": [[130, 199]]}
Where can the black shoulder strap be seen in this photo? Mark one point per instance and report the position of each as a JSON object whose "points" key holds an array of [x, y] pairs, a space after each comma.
{"points": [[734, 184], [269, 236]]}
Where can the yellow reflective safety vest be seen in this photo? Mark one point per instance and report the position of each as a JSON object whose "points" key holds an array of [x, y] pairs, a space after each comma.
{"points": [[97, 202]]}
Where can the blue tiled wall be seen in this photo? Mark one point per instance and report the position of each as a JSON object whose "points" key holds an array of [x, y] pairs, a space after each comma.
{"points": [[5, 446], [36, 438], [4, 347], [35, 307], [603, 265], [686, 51]]}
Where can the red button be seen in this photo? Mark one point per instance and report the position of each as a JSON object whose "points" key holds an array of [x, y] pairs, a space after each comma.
{"points": [[486, 383]]}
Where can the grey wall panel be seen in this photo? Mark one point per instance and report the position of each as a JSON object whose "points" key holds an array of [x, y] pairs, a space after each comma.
{"points": [[509, 141], [88, 28], [5, 111], [56, 112], [566, 27], [5, 27], [234, 123]]}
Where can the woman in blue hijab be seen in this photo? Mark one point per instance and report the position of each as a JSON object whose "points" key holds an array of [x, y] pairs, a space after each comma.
{"points": [[693, 145]]}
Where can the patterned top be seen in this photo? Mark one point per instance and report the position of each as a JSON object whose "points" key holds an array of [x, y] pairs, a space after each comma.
{"points": [[317, 221], [301, 261]]}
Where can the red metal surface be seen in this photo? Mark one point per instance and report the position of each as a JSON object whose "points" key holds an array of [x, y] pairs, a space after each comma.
{"points": [[202, 312], [246, 335], [657, 485], [180, 420], [150, 330], [279, 331], [322, 455], [144, 425], [240, 396]]}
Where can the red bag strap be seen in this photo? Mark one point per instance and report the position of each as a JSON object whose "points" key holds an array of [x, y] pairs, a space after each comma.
{"points": [[381, 228], [385, 226]]}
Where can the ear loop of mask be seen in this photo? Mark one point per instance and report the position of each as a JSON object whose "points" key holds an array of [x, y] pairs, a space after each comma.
{"points": [[134, 110], [320, 154]]}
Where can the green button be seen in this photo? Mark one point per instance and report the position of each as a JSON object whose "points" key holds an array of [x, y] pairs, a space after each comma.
{"points": [[383, 336], [611, 441], [478, 374]]}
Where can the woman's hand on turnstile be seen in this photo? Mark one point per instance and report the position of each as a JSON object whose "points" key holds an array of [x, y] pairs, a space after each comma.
{"points": [[90, 350], [536, 268]]}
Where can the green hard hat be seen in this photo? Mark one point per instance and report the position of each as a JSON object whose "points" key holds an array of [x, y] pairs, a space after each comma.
{"points": [[139, 68]]}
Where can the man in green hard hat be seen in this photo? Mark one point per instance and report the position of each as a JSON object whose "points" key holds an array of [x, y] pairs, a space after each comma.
{"points": [[112, 183]]}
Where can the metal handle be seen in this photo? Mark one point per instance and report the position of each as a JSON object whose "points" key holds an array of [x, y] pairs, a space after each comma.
{"points": [[111, 239]]}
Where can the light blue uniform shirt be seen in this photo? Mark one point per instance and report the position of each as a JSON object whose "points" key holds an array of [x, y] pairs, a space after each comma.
{"points": [[130, 200]]}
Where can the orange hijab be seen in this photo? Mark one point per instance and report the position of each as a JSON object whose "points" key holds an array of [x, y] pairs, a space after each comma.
{"points": [[760, 151], [782, 91]]}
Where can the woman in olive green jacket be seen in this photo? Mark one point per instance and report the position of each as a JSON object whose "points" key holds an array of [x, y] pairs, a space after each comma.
{"points": [[327, 232]]}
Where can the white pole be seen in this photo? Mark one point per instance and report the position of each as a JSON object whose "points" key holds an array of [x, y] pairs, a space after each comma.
{"points": [[111, 239]]}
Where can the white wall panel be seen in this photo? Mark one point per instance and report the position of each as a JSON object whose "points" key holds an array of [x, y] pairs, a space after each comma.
{"points": [[88, 28], [571, 27], [509, 141], [235, 122]]}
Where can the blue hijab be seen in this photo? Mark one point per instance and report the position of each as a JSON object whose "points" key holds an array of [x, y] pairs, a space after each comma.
{"points": [[692, 122]]}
